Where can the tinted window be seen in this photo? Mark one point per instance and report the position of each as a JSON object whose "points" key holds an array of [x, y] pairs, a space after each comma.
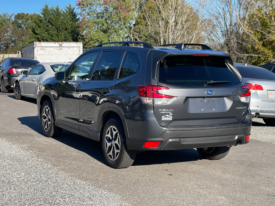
{"points": [[107, 65], [59, 67], [39, 69], [256, 73], [81, 68], [130, 65], [195, 70], [270, 67], [24, 62]]}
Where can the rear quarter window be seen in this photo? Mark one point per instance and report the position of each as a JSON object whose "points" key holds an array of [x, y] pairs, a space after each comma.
{"points": [[256, 73], [195, 71]]}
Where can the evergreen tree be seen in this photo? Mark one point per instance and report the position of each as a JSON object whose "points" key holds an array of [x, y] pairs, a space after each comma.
{"points": [[55, 25]]}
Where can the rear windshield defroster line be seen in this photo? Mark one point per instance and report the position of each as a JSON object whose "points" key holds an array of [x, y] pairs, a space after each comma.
{"points": [[196, 71]]}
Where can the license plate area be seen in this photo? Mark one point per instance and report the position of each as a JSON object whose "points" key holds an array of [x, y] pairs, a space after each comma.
{"points": [[271, 94], [208, 105]]}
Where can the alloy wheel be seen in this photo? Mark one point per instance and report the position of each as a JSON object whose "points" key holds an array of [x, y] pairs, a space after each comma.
{"points": [[46, 118], [112, 143]]}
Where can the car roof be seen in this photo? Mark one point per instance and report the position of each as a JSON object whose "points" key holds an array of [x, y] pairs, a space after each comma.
{"points": [[247, 65]]}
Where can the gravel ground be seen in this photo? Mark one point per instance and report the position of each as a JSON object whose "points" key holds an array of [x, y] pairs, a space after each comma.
{"points": [[26, 180], [260, 131]]}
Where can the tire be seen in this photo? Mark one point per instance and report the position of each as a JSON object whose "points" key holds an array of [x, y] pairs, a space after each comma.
{"points": [[269, 121], [213, 153], [114, 134], [3, 88], [17, 92], [47, 120]]}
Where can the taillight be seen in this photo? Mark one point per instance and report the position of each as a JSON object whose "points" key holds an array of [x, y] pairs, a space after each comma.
{"points": [[151, 144], [247, 138], [255, 86], [245, 97], [151, 94], [12, 71]]}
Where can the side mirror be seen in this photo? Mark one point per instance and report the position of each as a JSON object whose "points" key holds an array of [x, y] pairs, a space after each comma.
{"points": [[25, 72], [60, 76]]}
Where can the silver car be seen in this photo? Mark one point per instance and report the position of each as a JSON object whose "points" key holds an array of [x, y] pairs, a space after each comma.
{"points": [[262, 84], [27, 83]]}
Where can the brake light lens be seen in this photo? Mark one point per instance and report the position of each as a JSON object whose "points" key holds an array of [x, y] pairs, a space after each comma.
{"points": [[255, 86], [201, 55], [245, 97], [12, 71], [150, 94], [151, 144], [247, 138]]}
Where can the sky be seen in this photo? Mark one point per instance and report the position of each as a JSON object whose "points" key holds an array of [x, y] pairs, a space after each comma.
{"points": [[30, 6]]}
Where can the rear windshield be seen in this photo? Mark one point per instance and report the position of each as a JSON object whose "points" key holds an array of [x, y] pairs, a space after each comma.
{"points": [[24, 62], [59, 67], [196, 71], [256, 73]]}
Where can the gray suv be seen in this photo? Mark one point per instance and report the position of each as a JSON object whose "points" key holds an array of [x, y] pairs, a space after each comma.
{"points": [[134, 97]]}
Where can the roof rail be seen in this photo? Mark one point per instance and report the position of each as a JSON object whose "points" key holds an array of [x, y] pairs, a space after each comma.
{"points": [[182, 46], [127, 43]]}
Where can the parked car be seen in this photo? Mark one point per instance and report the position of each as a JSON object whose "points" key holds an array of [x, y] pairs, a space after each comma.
{"points": [[11, 68], [269, 66], [262, 84], [27, 84], [144, 98]]}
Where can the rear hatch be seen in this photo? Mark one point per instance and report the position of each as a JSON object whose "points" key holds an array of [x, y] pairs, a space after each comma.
{"points": [[199, 91], [21, 65]]}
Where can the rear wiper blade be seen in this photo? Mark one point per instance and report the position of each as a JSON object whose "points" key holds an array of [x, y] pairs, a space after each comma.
{"points": [[216, 82]]}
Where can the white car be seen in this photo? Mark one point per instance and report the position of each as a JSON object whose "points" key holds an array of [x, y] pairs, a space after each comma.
{"points": [[27, 83]]}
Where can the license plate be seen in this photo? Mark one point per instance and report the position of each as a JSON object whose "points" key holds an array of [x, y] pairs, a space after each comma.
{"points": [[271, 94]]}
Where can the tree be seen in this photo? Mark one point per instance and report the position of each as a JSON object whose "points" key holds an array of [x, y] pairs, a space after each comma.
{"points": [[261, 29], [107, 20], [55, 25], [168, 22]]}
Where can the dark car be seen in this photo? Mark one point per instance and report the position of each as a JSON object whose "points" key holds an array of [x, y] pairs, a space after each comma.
{"points": [[144, 98], [11, 68], [269, 66]]}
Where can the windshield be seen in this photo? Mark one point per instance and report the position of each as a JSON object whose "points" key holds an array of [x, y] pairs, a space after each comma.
{"points": [[196, 71], [256, 73], [59, 67]]}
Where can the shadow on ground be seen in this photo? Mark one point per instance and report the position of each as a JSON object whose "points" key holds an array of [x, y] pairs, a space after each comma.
{"points": [[93, 148], [27, 99], [257, 124]]}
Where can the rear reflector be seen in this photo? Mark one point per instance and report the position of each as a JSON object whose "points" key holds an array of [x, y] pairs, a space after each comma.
{"points": [[12, 71], [245, 97], [247, 138], [151, 144], [150, 94], [255, 86]]}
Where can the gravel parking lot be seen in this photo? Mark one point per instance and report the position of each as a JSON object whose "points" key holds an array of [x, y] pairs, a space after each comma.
{"points": [[70, 170]]}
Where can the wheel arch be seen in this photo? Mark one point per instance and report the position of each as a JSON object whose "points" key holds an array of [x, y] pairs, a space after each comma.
{"points": [[112, 113]]}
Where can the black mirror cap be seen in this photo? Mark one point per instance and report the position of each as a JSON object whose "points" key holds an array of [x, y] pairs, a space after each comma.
{"points": [[25, 72], [60, 76]]}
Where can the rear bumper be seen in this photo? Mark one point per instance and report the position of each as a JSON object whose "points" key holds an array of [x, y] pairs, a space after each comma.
{"points": [[9, 81], [198, 138], [262, 108]]}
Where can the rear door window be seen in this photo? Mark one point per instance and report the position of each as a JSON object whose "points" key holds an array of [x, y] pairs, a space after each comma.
{"points": [[195, 71], [107, 65], [130, 65], [24, 62], [256, 73]]}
